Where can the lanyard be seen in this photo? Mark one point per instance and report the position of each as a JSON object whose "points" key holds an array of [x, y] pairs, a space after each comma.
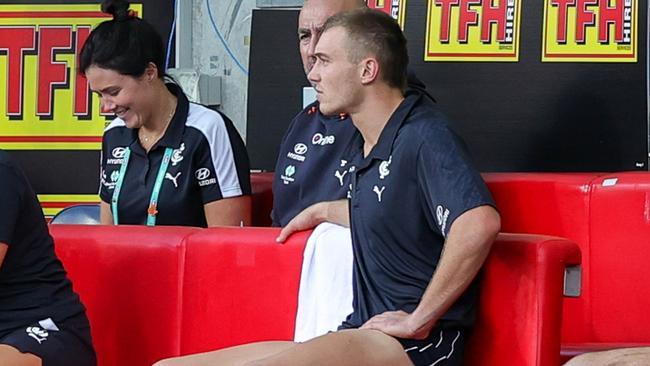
{"points": [[153, 202]]}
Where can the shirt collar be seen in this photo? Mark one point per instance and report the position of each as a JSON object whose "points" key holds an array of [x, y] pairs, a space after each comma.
{"points": [[384, 147], [314, 108], [173, 137]]}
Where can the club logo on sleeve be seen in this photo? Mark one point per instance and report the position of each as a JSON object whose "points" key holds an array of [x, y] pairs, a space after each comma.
{"points": [[590, 31], [203, 176], [442, 214], [117, 156], [289, 172], [298, 153], [321, 140]]}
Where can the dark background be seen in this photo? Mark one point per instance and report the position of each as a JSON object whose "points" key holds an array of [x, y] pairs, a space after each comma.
{"points": [[514, 116]]}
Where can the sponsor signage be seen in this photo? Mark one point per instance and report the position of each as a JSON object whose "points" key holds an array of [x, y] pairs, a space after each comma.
{"points": [[473, 30], [590, 31], [394, 8], [44, 103]]}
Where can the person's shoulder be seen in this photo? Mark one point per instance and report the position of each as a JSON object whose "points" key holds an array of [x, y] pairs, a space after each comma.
{"points": [[9, 169], [115, 125], [214, 127], [426, 118], [427, 125], [309, 112], [203, 118], [6, 161], [296, 126]]}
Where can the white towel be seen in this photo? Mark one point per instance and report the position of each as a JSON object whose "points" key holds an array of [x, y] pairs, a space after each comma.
{"points": [[325, 294]]}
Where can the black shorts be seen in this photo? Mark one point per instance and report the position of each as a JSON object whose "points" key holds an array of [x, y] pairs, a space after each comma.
{"points": [[443, 347], [55, 343]]}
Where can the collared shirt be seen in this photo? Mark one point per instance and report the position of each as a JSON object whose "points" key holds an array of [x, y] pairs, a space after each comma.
{"points": [[309, 168], [209, 162], [33, 283], [405, 196]]}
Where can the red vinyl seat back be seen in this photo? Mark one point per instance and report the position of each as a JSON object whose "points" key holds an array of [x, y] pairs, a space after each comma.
{"points": [[129, 279], [520, 304], [620, 256], [240, 286], [556, 204]]}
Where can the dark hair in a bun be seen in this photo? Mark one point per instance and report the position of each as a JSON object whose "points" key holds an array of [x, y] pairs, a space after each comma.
{"points": [[119, 9], [126, 44]]}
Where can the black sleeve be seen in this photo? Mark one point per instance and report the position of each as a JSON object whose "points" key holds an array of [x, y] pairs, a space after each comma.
{"points": [[448, 180]]}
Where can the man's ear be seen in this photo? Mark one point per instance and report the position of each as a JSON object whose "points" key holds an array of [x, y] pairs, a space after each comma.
{"points": [[369, 70]]}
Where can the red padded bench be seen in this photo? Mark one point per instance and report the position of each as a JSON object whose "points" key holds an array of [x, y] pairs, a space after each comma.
{"points": [[241, 288], [130, 280], [153, 293], [555, 204], [611, 225], [620, 255], [608, 216]]}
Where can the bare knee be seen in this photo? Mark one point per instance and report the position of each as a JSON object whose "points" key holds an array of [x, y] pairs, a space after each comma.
{"points": [[616, 357], [166, 362], [10, 356]]}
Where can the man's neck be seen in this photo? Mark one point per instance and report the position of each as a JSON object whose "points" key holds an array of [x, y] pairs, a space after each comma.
{"points": [[373, 114]]}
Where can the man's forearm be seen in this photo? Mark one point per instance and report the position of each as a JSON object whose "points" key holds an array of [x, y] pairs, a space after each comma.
{"points": [[338, 213], [468, 244]]}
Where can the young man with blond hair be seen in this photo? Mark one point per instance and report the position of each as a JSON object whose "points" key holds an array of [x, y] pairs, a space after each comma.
{"points": [[421, 218]]}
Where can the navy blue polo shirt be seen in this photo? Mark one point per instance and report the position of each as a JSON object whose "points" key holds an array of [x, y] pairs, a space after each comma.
{"points": [[33, 284], [309, 166], [209, 162], [307, 169], [405, 195]]}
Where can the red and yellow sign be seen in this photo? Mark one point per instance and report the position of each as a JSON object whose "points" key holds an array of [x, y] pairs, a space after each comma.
{"points": [[590, 31], [473, 30], [394, 8], [44, 102], [53, 203]]}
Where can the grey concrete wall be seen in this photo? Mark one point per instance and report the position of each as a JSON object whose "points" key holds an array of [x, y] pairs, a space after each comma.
{"points": [[233, 19], [209, 56]]}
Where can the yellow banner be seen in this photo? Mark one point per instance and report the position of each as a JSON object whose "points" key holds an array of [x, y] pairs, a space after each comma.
{"points": [[53, 203], [473, 30], [394, 8], [590, 31], [44, 103]]}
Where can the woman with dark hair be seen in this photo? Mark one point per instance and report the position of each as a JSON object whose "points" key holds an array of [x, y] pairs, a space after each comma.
{"points": [[42, 321], [165, 161]]}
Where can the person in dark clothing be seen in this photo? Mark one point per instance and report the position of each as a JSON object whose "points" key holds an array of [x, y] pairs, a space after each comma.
{"points": [[165, 161], [421, 218], [42, 321]]}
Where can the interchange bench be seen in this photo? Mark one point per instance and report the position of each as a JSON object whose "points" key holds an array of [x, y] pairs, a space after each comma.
{"points": [[153, 293], [608, 217]]}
